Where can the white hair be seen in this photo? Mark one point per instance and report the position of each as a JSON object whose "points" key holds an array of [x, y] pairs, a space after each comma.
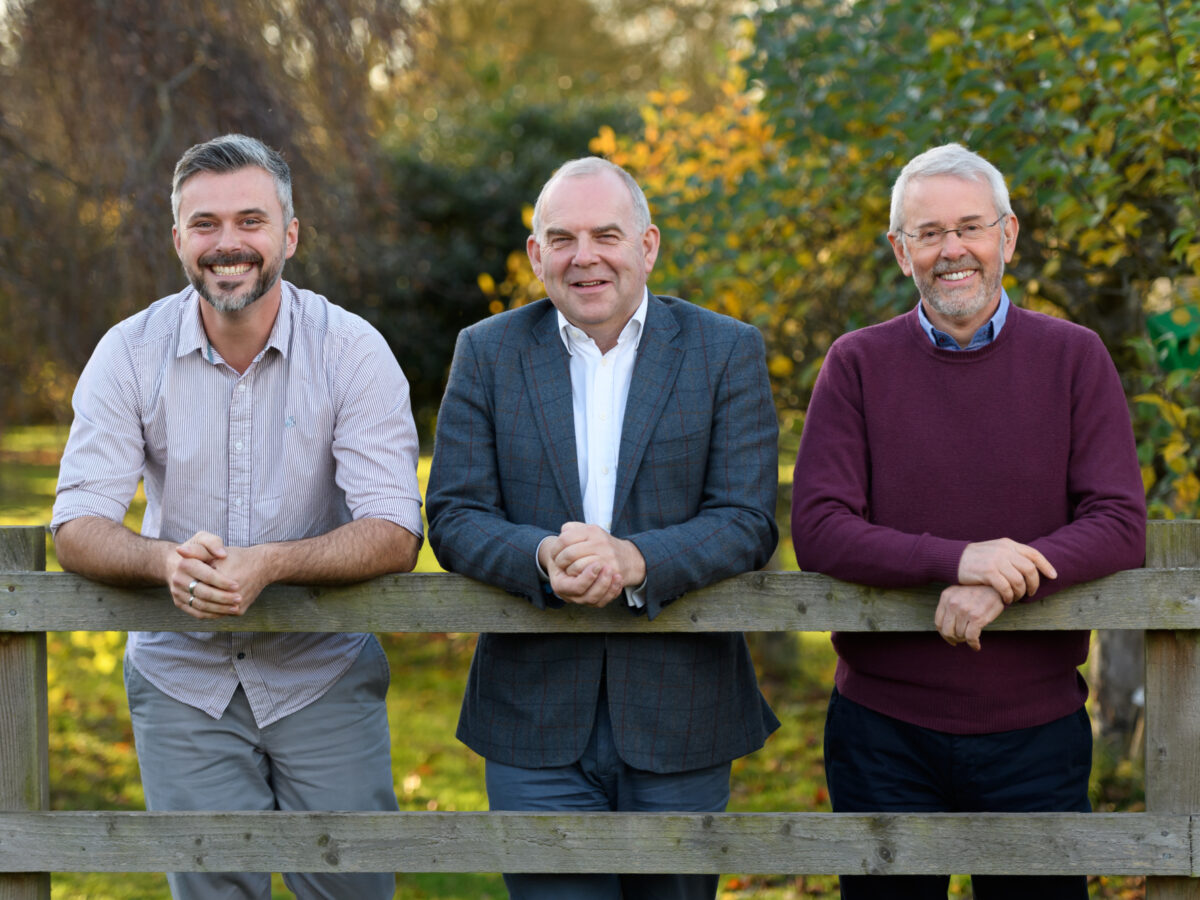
{"points": [[948, 159], [594, 165]]}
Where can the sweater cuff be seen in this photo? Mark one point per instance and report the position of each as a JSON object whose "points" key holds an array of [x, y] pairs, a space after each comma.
{"points": [[939, 557]]}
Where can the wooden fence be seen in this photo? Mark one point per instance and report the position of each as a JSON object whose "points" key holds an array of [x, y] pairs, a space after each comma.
{"points": [[1160, 843]]}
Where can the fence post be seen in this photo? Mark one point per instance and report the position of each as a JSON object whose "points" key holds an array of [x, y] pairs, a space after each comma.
{"points": [[24, 722], [1173, 706]]}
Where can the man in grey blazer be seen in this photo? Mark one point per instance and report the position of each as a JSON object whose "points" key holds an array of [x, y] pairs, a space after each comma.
{"points": [[606, 445]]}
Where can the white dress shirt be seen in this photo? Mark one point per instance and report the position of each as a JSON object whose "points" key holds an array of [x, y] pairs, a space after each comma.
{"points": [[599, 390]]}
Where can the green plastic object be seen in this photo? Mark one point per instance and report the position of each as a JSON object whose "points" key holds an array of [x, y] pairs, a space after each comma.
{"points": [[1176, 334]]}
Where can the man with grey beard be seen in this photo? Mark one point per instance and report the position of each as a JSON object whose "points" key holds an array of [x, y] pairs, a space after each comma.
{"points": [[275, 439], [987, 449]]}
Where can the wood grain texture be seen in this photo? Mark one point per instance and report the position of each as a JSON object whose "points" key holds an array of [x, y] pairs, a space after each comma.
{"points": [[760, 601], [1173, 707], [1158, 843], [783, 843], [24, 725]]}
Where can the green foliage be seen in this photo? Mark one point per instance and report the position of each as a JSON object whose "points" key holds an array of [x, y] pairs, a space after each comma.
{"points": [[415, 131], [1090, 110], [451, 202], [774, 202]]}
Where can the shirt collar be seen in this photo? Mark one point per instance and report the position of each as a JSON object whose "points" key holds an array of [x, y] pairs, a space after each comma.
{"points": [[192, 336], [572, 336], [987, 333]]}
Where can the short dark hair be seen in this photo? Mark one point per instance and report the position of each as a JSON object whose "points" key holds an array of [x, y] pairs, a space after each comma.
{"points": [[229, 153]]}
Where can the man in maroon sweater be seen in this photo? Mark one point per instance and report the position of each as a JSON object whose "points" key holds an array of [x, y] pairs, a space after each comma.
{"points": [[974, 444]]}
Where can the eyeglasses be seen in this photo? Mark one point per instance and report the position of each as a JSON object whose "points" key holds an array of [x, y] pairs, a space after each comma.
{"points": [[968, 234]]}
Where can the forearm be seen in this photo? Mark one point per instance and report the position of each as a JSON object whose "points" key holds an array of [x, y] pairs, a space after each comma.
{"points": [[352, 552], [834, 540], [832, 529], [107, 551], [1107, 531], [711, 547]]}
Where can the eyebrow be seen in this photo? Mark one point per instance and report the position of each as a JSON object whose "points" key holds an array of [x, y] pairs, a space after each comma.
{"points": [[965, 220], [552, 231], [203, 214]]}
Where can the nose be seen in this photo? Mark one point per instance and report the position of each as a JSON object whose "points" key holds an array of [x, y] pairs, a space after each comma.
{"points": [[952, 245], [228, 238], [585, 251]]}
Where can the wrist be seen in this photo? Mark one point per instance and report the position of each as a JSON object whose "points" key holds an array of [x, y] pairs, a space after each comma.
{"points": [[633, 564], [271, 561], [168, 560]]}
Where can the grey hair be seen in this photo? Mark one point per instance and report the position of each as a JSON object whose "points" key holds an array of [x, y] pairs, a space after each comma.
{"points": [[594, 165], [231, 153], [948, 159]]}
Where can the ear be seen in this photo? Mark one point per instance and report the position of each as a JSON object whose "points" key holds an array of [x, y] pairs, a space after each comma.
{"points": [[901, 251], [291, 238], [178, 242], [1011, 227], [534, 251], [651, 240]]}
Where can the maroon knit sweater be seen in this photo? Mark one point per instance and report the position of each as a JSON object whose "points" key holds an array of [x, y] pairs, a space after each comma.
{"points": [[910, 452]]}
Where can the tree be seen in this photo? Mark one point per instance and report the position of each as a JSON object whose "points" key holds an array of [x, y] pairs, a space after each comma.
{"points": [[100, 98], [416, 132], [1093, 112], [778, 195]]}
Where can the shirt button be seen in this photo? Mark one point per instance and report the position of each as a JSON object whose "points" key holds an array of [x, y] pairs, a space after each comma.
{"points": [[604, 470], [241, 387], [237, 501], [241, 656], [238, 445]]}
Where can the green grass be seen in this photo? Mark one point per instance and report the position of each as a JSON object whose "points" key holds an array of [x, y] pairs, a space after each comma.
{"points": [[93, 764]]}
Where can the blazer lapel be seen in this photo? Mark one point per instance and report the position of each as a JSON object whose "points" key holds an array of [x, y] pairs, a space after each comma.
{"points": [[654, 375], [547, 372]]}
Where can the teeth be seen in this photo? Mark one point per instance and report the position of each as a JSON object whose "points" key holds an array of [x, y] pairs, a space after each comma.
{"points": [[956, 276], [240, 269], [589, 283]]}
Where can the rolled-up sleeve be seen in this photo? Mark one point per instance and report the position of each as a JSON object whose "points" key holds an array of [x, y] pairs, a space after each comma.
{"points": [[375, 438], [105, 452]]}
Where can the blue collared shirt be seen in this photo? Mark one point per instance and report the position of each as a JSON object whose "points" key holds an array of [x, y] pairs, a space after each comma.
{"points": [[984, 336]]}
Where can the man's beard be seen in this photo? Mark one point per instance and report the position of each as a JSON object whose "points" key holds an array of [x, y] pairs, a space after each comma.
{"points": [[959, 307], [223, 301]]}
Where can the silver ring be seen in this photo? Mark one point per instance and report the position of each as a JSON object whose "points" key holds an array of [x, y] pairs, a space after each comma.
{"points": [[192, 587], [190, 599]]}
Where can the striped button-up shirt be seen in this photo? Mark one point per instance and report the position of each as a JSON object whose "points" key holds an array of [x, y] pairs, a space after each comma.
{"points": [[316, 432]]}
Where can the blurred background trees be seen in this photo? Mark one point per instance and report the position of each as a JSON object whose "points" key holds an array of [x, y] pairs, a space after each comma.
{"points": [[767, 136], [416, 133]]}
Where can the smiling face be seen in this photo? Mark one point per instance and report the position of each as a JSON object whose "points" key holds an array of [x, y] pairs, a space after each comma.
{"points": [[231, 237], [591, 256], [959, 282]]}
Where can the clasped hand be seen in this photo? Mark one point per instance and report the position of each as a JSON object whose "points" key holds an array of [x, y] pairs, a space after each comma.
{"points": [[590, 567], [991, 575], [227, 579]]}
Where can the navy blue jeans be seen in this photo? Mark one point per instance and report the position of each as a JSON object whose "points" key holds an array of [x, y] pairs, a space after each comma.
{"points": [[601, 781], [874, 763]]}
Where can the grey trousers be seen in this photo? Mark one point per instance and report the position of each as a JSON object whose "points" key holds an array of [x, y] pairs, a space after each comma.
{"points": [[335, 754]]}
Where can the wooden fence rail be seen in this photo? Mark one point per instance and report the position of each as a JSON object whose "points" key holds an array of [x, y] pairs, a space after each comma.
{"points": [[1161, 843]]}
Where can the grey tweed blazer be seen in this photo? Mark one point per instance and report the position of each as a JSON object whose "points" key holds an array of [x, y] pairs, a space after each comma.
{"points": [[695, 492]]}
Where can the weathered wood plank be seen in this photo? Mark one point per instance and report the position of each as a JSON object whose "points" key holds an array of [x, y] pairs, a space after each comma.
{"points": [[784, 843], [24, 726], [1173, 710], [1165, 598]]}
